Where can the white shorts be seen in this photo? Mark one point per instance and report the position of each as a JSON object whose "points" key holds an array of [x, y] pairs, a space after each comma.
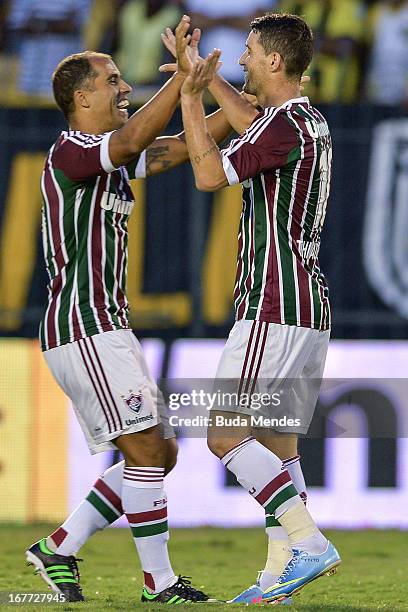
{"points": [[110, 386], [283, 362]]}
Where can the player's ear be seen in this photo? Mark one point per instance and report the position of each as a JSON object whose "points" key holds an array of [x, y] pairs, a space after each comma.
{"points": [[81, 98], [275, 61]]}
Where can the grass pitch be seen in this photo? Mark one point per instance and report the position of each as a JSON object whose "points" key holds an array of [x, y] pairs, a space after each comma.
{"points": [[373, 575]]}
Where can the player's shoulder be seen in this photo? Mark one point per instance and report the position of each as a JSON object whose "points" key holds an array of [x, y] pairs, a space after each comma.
{"points": [[273, 123], [300, 115], [78, 155], [282, 116], [75, 139], [269, 120]]}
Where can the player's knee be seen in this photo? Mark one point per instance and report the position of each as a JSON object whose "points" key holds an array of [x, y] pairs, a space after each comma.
{"points": [[151, 456], [218, 446], [171, 455], [143, 448]]}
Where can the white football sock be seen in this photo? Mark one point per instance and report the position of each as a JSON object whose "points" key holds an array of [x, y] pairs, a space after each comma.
{"points": [[145, 504], [295, 470], [259, 471], [100, 508]]}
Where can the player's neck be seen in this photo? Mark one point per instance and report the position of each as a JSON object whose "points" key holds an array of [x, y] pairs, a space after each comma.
{"points": [[279, 95], [88, 126]]}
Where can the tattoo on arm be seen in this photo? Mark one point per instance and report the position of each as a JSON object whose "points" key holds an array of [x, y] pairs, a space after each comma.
{"points": [[198, 158], [157, 155]]}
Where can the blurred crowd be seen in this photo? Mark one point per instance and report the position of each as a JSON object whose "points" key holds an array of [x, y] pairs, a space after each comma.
{"points": [[361, 47]]}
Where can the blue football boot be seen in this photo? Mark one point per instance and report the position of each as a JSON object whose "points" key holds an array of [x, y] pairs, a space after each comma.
{"points": [[301, 569], [255, 595]]}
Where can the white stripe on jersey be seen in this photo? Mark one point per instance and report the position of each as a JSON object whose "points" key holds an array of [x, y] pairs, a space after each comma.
{"points": [[277, 249], [75, 304], [239, 281], [120, 238], [267, 249], [103, 262], [90, 262], [253, 226], [52, 246], [63, 250], [290, 218], [250, 244]]}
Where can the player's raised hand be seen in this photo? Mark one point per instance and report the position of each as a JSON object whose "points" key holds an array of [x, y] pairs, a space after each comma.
{"points": [[169, 41], [201, 74], [183, 38]]}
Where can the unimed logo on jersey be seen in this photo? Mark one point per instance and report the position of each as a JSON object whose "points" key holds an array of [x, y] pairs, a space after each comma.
{"points": [[134, 402], [385, 236], [110, 201]]}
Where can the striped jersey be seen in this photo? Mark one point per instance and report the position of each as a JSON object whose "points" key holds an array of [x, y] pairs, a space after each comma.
{"points": [[283, 161], [86, 205]]}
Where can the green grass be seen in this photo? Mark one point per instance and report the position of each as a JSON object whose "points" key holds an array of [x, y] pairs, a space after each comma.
{"points": [[373, 575]]}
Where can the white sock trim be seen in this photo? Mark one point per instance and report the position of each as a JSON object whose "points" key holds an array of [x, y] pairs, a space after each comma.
{"points": [[236, 450], [143, 477]]}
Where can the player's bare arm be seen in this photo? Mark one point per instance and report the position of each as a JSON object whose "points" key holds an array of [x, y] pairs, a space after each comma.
{"points": [[149, 121], [238, 110], [169, 151], [204, 153]]}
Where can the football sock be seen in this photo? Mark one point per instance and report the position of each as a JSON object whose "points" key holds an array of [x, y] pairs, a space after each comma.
{"points": [[279, 549], [259, 471], [145, 504], [99, 509], [295, 470]]}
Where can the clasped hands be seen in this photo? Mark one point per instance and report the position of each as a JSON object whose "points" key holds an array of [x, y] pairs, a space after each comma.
{"points": [[198, 72]]}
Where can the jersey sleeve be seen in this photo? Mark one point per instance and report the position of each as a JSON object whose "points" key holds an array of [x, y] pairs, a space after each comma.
{"points": [[269, 143], [137, 167], [81, 156]]}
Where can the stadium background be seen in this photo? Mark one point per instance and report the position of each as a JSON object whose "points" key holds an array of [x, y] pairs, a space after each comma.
{"points": [[181, 272]]}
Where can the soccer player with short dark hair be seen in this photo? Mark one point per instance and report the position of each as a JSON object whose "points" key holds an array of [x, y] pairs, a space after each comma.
{"points": [[85, 333], [282, 328]]}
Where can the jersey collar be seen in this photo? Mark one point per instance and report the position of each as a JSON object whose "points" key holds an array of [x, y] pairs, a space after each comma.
{"points": [[302, 100]]}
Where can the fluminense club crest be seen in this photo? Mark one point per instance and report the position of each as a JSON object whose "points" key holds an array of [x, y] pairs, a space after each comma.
{"points": [[134, 402]]}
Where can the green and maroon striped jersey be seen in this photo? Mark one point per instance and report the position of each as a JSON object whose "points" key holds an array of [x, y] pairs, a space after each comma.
{"points": [[283, 161], [86, 204]]}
